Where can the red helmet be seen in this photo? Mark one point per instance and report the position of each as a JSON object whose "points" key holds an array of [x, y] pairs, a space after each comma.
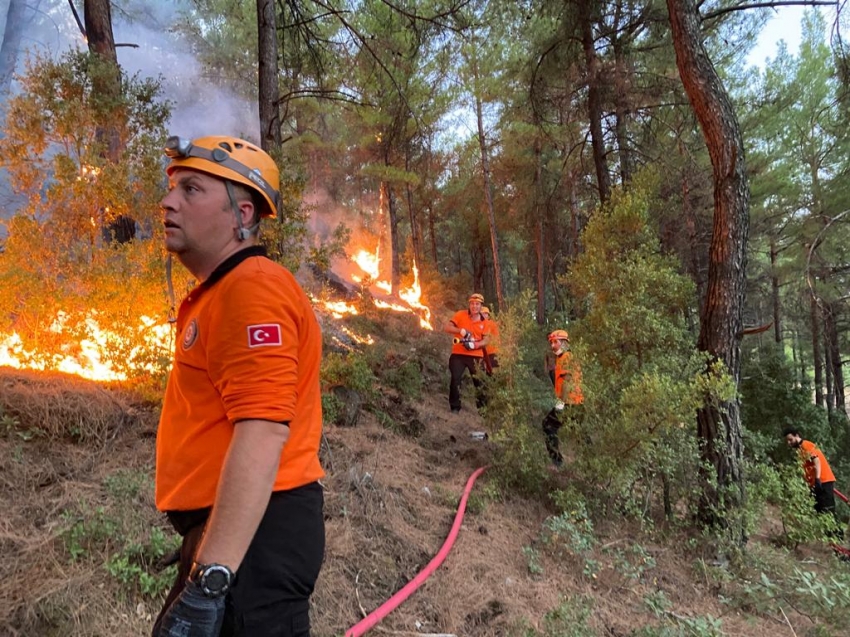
{"points": [[559, 335]]}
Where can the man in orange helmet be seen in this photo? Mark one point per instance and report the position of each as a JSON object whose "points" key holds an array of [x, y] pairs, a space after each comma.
{"points": [[492, 349], [569, 399], [237, 464], [471, 339]]}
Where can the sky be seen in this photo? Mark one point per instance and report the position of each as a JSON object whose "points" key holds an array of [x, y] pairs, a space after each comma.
{"points": [[785, 25]]}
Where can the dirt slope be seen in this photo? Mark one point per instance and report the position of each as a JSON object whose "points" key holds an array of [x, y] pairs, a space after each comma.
{"points": [[71, 505]]}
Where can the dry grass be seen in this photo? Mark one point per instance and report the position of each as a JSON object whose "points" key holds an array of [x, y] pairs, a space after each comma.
{"points": [[390, 502]]}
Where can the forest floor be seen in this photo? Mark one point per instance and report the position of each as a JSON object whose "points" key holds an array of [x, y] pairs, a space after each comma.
{"points": [[80, 536]]}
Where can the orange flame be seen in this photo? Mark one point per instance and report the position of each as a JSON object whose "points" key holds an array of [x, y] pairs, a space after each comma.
{"points": [[89, 358]]}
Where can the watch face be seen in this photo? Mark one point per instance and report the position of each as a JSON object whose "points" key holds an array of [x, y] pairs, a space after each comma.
{"points": [[215, 580]]}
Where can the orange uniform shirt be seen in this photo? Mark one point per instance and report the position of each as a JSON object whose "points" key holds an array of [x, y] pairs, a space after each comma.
{"points": [[492, 329], [808, 452], [477, 328], [568, 379], [248, 346]]}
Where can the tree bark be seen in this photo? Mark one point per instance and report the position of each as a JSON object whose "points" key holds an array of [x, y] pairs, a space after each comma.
{"points": [[488, 201], [594, 100], [833, 351], [539, 240], [774, 289], [16, 25], [721, 322], [269, 86], [817, 356]]}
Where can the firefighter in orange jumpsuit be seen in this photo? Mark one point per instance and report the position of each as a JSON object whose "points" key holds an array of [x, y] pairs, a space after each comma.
{"points": [[568, 394], [492, 349]]}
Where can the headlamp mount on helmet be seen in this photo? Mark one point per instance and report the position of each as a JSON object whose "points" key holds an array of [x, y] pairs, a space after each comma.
{"points": [[182, 148]]}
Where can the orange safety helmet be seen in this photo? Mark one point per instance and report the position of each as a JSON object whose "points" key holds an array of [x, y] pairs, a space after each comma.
{"points": [[559, 335], [485, 310], [476, 297], [229, 158]]}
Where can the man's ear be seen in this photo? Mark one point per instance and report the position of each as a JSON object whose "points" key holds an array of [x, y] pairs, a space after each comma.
{"points": [[246, 209]]}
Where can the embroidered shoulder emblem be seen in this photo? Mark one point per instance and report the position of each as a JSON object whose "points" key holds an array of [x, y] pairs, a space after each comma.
{"points": [[190, 334], [264, 335]]}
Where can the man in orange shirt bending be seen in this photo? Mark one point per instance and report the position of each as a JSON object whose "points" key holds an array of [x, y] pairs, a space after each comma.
{"points": [[237, 464], [471, 339], [817, 471]]}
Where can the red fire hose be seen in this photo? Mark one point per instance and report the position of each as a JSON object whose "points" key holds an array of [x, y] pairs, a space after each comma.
{"points": [[377, 615]]}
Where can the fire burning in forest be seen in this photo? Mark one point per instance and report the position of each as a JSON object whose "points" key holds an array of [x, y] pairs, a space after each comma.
{"points": [[364, 269], [90, 351], [88, 357]]}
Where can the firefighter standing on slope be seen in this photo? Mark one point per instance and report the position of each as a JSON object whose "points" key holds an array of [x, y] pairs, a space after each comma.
{"points": [[568, 395], [237, 463], [492, 349], [471, 338]]}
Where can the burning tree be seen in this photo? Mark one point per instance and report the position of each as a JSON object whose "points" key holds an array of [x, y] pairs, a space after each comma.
{"points": [[63, 279]]}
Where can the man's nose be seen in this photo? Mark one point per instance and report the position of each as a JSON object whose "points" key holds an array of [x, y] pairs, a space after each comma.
{"points": [[166, 205]]}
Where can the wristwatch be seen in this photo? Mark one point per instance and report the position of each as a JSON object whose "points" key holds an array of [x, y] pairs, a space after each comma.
{"points": [[214, 580]]}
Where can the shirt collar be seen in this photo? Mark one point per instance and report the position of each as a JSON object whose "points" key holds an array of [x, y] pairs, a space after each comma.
{"points": [[231, 262]]}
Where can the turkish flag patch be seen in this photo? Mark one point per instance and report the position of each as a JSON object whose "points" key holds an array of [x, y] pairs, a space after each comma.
{"points": [[264, 335]]}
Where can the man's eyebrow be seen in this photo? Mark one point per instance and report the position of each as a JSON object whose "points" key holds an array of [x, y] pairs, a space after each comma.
{"points": [[184, 179]]}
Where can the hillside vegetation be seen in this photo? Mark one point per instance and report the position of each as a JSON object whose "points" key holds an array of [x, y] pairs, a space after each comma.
{"points": [[540, 554]]}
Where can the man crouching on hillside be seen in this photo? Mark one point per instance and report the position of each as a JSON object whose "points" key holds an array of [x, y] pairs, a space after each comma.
{"points": [[237, 464]]}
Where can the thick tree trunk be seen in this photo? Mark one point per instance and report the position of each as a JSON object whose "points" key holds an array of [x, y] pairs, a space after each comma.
{"points": [[269, 85], [721, 322], [594, 99]]}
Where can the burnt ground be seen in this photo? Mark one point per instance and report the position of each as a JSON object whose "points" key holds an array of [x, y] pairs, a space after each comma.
{"points": [[80, 537]]}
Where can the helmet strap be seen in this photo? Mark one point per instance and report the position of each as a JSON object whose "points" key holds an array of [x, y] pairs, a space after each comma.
{"points": [[242, 233]]}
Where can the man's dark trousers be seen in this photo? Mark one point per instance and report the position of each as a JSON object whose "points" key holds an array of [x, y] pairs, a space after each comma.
{"points": [[457, 364]]}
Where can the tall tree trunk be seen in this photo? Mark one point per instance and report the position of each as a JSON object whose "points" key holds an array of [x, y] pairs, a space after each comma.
{"points": [[101, 41], [774, 288], [392, 207], [830, 329], [827, 368], [622, 86], [721, 323], [488, 200], [433, 235], [594, 99], [269, 85], [817, 357], [539, 237], [16, 25]]}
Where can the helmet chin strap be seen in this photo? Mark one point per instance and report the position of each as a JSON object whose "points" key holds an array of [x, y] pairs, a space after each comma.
{"points": [[242, 233]]}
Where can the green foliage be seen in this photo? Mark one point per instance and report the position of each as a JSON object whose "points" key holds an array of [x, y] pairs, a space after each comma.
{"points": [[351, 370], [772, 400], [643, 379], [119, 538], [569, 619]]}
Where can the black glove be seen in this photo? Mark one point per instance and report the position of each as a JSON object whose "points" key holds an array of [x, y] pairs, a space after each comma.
{"points": [[193, 614], [817, 483]]}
